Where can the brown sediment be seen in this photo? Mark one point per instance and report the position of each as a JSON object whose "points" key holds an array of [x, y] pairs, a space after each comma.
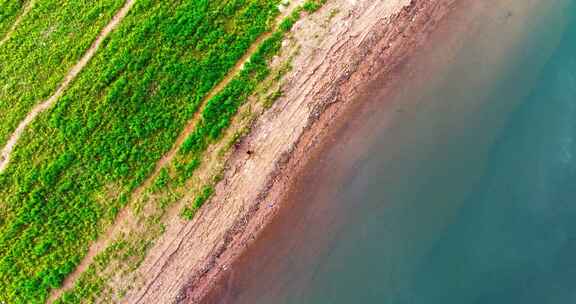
{"points": [[381, 54], [367, 39]]}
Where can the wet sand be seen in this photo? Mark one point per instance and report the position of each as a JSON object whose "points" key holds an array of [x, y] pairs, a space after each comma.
{"points": [[311, 176], [284, 209]]}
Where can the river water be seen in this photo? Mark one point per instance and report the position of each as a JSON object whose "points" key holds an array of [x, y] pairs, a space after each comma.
{"points": [[459, 187]]}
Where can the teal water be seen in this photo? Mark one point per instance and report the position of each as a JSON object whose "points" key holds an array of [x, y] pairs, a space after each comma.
{"points": [[462, 191]]}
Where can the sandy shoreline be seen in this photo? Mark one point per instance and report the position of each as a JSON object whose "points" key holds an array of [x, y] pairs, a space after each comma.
{"points": [[367, 40], [388, 47], [422, 17]]}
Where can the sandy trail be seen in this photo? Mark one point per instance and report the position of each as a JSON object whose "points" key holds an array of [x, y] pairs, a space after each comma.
{"points": [[72, 74], [27, 9]]}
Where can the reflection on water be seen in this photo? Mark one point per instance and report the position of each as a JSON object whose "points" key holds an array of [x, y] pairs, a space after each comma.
{"points": [[460, 191]]}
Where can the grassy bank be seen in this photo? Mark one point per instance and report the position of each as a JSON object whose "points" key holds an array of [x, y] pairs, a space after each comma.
{"points": [[225, 119], [9, 11], [82, 159]]}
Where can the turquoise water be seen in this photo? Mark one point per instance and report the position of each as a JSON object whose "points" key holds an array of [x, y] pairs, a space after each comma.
{"points": [[514, 238], [464, 190]]}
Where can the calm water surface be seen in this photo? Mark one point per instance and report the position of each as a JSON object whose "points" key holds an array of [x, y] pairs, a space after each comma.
{"points": [[462, 189]]}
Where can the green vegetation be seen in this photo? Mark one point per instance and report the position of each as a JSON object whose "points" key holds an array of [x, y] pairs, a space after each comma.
{"points": [[220, 110], [115, 259], [83, 158], [204, 195], [78, 163], [9, 11], [51, 38]]}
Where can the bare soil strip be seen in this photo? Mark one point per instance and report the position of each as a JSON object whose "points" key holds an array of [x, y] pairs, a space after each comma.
{"points": [[24, 12], [72, 74], [125, 221]]}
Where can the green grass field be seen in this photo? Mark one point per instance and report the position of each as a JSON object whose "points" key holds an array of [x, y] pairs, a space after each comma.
{"points": [[78, 163], [49, 40], [10, 11]]}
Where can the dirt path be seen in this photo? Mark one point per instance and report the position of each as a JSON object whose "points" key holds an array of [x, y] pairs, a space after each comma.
{"points": [[365, 38], [27, 9], [72, 74], [125, 221]]}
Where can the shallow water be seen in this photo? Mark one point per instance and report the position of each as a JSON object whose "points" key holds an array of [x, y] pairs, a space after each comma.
{"points": [[461, 189]]}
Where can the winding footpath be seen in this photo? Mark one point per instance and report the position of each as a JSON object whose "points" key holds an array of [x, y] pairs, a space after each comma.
{"points": [[72, 74]]}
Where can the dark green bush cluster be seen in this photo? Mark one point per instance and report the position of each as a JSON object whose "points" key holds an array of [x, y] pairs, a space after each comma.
{"points": [[309, 6], [200, 199], [162, 180], [313, 5], [82, 159]]}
